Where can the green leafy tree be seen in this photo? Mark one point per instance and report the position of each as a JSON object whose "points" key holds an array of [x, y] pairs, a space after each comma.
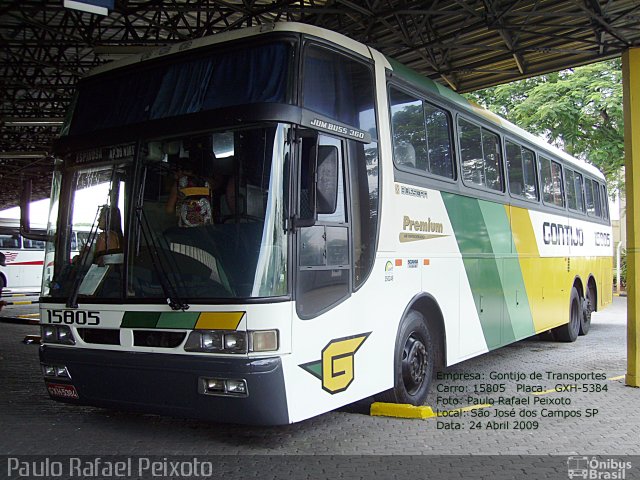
{"points": [[578, 110]]}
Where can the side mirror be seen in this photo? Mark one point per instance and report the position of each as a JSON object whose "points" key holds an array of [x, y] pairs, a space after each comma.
{"points": [[25, 223], [327, 179]]}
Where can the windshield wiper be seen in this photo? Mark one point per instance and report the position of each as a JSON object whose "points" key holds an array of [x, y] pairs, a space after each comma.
{"points": [[72, 301], [174, 301]]}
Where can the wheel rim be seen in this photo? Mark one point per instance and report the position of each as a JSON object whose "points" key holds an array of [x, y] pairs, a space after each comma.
{"points": [[414, 364], [588, 307], [575, 315]]}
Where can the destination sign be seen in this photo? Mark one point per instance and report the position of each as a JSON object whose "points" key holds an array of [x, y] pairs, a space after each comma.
{"points": [[124, 152]]}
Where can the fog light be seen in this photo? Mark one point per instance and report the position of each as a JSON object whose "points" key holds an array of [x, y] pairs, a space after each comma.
{"points": [[213, 385], [236, 387], [62, 372], [222, 387], [264, 340], [48, 370]]}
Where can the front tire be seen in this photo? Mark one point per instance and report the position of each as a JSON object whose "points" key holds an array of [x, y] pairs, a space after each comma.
{"points": [[413, 363], [569, 332]]}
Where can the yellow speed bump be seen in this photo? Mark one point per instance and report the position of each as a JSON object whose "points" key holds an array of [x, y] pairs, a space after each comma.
{"points": [[404, 410]]}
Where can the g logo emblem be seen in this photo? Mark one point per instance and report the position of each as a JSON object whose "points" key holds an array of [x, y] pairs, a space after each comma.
{"points": [[336, 367]]}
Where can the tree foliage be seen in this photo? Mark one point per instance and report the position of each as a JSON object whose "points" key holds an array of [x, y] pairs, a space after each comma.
{"points": [[578, 110]]}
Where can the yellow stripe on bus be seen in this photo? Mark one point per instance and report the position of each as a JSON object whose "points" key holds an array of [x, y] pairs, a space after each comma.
{"points": [[219, 320]]}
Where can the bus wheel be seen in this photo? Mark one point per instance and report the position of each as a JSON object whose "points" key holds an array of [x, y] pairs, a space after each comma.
{"points": [[569, 332], [413, 363], [587, 310]]}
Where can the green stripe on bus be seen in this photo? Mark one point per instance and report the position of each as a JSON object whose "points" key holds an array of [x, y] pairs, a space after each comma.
{"points": [[178, 320], [518, 322], [140, 319], [478, 225]]}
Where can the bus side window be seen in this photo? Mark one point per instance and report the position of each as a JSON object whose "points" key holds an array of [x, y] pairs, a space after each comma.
{"points": [[589, 196], [521, 171], [32, 244], [605, 203], [481, 158], [9, 241], [551, 182], [570, 188]]}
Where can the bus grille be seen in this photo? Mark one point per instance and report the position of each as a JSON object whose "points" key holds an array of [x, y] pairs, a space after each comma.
{"points": [[154, 338], [102, 336]]}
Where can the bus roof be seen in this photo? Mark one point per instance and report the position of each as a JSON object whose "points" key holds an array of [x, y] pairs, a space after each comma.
{"points": [[401, 70]]}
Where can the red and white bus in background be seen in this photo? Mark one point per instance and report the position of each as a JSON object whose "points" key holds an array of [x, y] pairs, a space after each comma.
{"points": [[24, 259], [24, 262]]}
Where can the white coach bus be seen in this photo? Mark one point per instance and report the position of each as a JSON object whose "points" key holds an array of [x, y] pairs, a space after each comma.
{"points": [[292, 222], [24, 259]]}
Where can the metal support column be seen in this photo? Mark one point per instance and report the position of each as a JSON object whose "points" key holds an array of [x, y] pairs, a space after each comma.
{"points": [[631, 85]]}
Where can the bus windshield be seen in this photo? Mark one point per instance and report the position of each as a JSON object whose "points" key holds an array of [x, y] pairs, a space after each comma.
{"points": [[234, 76], [191, 216]]}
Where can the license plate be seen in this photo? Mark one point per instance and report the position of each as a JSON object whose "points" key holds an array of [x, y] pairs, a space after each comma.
{"points": [[62, 390]]}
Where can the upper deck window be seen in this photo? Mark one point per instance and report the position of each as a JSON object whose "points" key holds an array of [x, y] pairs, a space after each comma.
{"points": [[222, 78], [339, 87], [552, 193], [421, 135], [481, 158], [573, 186], [522, 171], [592, 194]]}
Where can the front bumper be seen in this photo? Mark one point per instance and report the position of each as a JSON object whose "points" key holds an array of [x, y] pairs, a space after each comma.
{"points": [[168, 384]]}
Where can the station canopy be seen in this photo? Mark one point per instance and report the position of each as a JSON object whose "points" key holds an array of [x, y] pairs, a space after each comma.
{"points": [[464, 44]]}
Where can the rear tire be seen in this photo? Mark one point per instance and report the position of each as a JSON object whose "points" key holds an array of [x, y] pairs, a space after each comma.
{"points": [[413, 363], [587, 310], [569, 332]]}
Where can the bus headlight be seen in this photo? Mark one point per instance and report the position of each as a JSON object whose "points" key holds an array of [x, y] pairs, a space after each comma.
{"points": [[57, 334], [216, 341], [224, 341]]}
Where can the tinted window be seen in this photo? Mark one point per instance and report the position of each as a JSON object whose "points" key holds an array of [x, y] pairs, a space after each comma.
{"points": [[339, 87], [480, 152], [589, 197], [9, 241], [521, 170], [551, 182], [471, 152], [570, 188], [363, 166], [596, 198], [605, 203], [224, 78], [33, 244], [438, 141], [530, 177], [409, 134], [579, 192], [421, 135]]}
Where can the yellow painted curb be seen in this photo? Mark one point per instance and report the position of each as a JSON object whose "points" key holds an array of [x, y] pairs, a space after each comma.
{"points": [[404, 410], [401, 410], [619, 377]]}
